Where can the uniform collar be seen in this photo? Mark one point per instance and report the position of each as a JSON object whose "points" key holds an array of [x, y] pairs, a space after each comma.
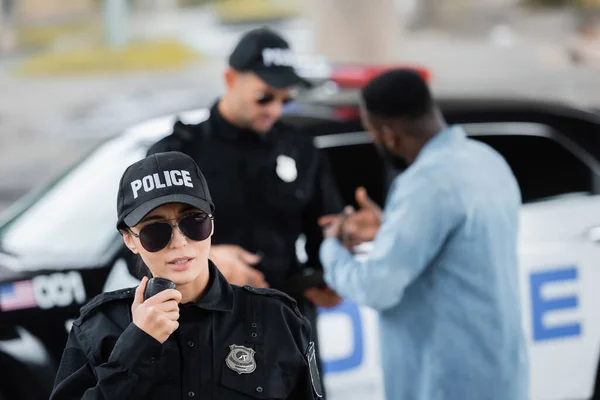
{"points": [[219, 293], [224, 128]]}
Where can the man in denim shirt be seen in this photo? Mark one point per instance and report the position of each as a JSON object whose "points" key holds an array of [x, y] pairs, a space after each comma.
{"points": [[442, 272]]}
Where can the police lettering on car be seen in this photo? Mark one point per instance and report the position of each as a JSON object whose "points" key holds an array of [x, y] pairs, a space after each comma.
{"points": [[203, 338], [270, 182]]}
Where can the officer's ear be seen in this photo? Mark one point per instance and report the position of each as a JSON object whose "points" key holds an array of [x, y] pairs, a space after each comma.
{"points": [[128, 240], [388, 137], [231, 77]]}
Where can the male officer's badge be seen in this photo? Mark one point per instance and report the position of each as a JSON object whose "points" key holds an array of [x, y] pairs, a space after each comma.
{"points": [[315, 378], [241, 359], [286, 168]]}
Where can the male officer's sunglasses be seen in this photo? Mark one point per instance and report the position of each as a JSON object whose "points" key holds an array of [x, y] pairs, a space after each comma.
{"points": [[157, 235], [266, 98]]}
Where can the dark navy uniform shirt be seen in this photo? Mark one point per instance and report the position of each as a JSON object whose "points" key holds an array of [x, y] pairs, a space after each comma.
{"points": [[234, 343]]}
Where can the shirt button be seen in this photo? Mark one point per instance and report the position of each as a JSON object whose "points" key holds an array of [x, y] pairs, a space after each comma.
{"points": [[259, 389], [254, 335], [153, 360], [254, 325], [191, 394], [191, 344]]}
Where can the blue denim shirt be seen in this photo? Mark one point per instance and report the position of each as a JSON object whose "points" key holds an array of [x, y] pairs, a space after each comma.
{"points": [[442, 273]]}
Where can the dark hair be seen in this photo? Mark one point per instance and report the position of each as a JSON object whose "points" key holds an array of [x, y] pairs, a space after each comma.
{"points": [[141, 268], [398, 93]]}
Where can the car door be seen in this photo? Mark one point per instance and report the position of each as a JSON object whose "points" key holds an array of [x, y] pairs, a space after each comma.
{"points": [[559, 244], [559, 250], [348, 333]]}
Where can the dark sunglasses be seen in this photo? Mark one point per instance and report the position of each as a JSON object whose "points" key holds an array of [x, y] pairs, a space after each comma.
{"points": [[157, 235], [266, 98]]}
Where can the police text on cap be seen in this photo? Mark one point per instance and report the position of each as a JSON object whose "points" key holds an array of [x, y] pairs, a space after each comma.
{"points": [[171, 178]]}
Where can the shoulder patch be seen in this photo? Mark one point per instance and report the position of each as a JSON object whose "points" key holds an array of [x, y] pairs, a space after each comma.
{"points": [[287, 299], [103, 299]]}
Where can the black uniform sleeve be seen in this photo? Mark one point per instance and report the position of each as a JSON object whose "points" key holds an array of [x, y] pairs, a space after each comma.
{"points": [[163, 145], [127, 374], [326, 200]]}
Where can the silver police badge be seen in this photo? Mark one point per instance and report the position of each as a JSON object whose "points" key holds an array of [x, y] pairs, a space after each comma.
{"points": [[241, 359], [286, 168]]}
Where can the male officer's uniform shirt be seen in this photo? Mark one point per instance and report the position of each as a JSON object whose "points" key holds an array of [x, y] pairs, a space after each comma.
{"points": [[268, 188], [233, 343]]}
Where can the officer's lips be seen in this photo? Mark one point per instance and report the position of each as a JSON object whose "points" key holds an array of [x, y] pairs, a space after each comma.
{"points": [[180, 264]]}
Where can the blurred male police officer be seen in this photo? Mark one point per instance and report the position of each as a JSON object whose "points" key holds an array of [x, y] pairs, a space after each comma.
{"points": [[270, 182]]}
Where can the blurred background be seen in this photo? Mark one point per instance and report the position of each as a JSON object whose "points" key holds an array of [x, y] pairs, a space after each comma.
{"points": [[73, 72]]}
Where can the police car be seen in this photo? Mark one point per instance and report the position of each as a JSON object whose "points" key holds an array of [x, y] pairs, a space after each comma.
{"points": [[59, 248]]}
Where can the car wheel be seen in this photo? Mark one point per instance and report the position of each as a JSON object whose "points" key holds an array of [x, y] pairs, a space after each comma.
{"points": [[16, 382]]}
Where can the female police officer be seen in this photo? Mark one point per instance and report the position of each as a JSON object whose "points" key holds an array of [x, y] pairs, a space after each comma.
{"points": [[205, 338]]}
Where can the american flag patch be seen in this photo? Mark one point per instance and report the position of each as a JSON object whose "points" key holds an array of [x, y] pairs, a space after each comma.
{"points": [[17, 296]]}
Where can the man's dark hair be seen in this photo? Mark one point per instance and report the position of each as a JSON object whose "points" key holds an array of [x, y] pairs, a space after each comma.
{"points": [[399, 93]]}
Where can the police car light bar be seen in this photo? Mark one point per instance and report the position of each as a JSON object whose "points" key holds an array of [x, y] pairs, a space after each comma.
{"points": [[356, 76], [318, 71]]}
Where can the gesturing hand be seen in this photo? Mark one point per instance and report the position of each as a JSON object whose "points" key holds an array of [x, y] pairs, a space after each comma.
{"points": [[236, 265]]}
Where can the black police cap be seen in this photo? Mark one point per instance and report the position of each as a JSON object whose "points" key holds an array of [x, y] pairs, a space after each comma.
{"points": [[159, 179], [268, 55]]}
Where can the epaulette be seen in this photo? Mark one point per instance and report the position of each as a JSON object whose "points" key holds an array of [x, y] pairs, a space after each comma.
{"points": [[103, 299], [182, 131], [287, 299]]}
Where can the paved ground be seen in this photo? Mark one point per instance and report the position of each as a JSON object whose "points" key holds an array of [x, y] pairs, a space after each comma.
{"points": [[47, 124], [50, 123]]}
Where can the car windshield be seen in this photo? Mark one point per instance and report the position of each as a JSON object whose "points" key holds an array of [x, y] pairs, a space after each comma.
{"points": [[75, 218]]}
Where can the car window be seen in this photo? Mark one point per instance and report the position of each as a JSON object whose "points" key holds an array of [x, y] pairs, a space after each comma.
{"points": [[545, 163], [355, 162], [75, 218], [543, 167]]}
